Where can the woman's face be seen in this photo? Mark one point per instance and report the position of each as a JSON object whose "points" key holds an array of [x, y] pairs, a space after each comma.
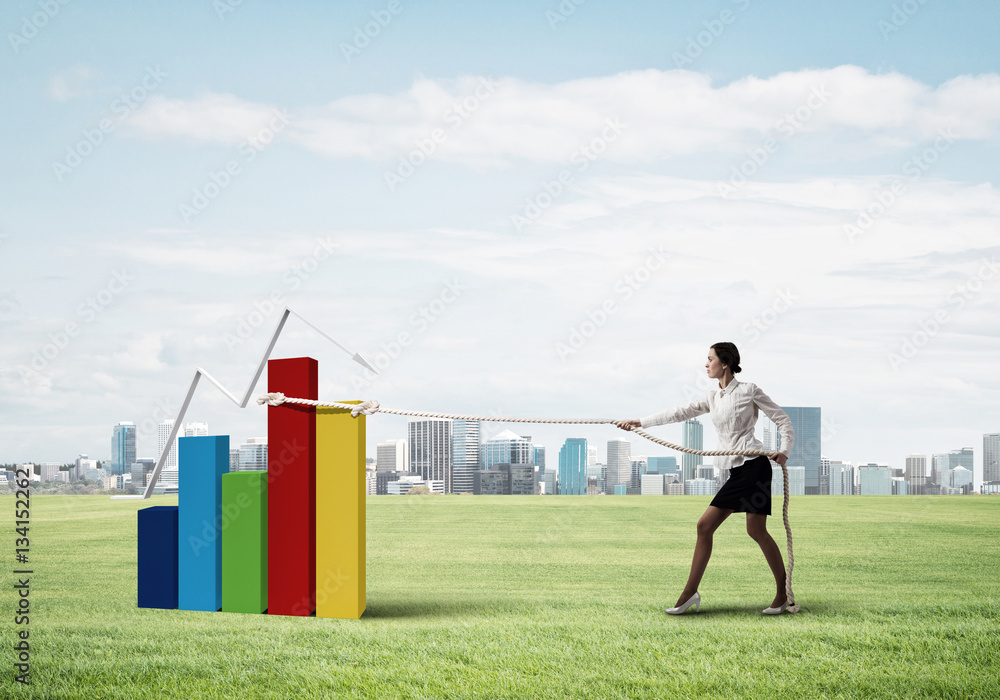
{"points": [[715, 368]]}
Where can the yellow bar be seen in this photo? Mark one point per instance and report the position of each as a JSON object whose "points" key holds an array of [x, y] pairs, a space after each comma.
{"points": [[340, 513]]}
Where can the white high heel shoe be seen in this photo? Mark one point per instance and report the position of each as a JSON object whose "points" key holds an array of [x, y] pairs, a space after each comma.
{"points": [[776, 611], [694, 600]]}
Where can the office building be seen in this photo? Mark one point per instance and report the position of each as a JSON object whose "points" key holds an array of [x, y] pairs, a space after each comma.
{"points": [[991, 457], [961, 458], [163, 435], [961, 479], [900, 487], [507, 479], [661, 465], [591, 455], [550, 482], [429, 441], [619, 464], [234, 459], [392, 456], [539, 458], [48, 471], [382, 480], [796, 480], [699, 487], [195, 429], [807, 447], [705, 471], [465, 458], [122, 448], [653, 484], [841, 478], [405, 482], [507, 447], [638, 469], [253, 455], [81, 466], [693, 438], [874, 480], [674, 487], [573, 467]]}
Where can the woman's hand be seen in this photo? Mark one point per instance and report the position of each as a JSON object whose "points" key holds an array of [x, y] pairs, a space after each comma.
{"points": [[779, 458], [629, 424]]}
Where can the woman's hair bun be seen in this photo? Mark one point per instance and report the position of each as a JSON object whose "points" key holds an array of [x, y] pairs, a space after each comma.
{"points": [[728, 355]]}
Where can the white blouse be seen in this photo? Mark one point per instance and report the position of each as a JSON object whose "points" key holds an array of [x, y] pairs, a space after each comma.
{"points": [[734, 414]]}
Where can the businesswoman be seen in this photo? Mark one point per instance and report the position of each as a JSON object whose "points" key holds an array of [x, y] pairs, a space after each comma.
{"points": [[734, 408]]}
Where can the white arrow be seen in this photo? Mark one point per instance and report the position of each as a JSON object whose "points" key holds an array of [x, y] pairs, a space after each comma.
{"points": [[242, 403]]}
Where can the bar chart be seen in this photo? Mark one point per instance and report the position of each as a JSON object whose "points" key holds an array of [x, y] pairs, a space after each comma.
{"points": [[286, 541]]}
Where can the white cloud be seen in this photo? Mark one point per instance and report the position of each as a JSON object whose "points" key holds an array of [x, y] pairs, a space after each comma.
{"points": [[212, 117], [663, 114], [72, 83]]}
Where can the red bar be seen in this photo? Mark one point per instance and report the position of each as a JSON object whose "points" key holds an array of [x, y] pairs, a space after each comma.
{"points": [[291, 488]]}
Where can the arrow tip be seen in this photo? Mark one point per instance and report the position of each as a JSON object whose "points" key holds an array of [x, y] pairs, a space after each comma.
{"points": [[362, 361]]}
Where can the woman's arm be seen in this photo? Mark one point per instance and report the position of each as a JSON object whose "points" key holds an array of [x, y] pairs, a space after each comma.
{"points": [[676, 415], [780, 419]]}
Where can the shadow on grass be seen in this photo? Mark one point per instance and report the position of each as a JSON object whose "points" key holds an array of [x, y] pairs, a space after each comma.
{"points": [[432, 608], [743, 611]]}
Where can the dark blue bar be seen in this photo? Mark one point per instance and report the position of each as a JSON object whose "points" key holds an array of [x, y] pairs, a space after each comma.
{"points": [[157, 560]]}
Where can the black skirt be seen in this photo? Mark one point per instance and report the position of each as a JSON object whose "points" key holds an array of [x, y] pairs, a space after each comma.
{"points": [[748, 489]]}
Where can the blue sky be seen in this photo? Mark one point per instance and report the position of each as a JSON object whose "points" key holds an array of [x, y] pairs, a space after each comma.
{"points": [[893, 78]]}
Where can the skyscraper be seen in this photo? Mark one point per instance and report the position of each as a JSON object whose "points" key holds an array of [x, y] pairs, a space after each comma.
{"points": [[163, 434], [253, 455], [940, 469], [507, 447], [916, 474], [693, 438], [430, 450], [465, 439], [661, 465], [619, 464], [807, 448], [122, 448], [539, 458], [991, 457], [573, 467], [392, 456]]}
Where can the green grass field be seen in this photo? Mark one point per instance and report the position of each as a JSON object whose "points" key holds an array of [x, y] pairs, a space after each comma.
{"points": [[542, 597]]}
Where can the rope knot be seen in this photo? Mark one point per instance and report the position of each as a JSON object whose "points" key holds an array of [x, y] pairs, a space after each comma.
{"points": [[275, 398], [367, 407]]}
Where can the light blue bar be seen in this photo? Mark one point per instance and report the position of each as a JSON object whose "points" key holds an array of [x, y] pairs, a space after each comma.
{"points": [[201, 463]]}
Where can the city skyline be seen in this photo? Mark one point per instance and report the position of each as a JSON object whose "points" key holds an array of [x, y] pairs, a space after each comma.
{"points": [[556, 222]]}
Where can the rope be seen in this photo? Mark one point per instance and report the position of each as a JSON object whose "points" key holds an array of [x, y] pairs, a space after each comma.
{"points": [[372, 406]]}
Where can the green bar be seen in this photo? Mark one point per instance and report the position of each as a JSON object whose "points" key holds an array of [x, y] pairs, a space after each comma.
{"points": [[244, 542]]}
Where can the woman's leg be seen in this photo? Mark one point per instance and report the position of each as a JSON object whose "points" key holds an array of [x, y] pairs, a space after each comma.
{"points": [[708, 523], [757, 529]]}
